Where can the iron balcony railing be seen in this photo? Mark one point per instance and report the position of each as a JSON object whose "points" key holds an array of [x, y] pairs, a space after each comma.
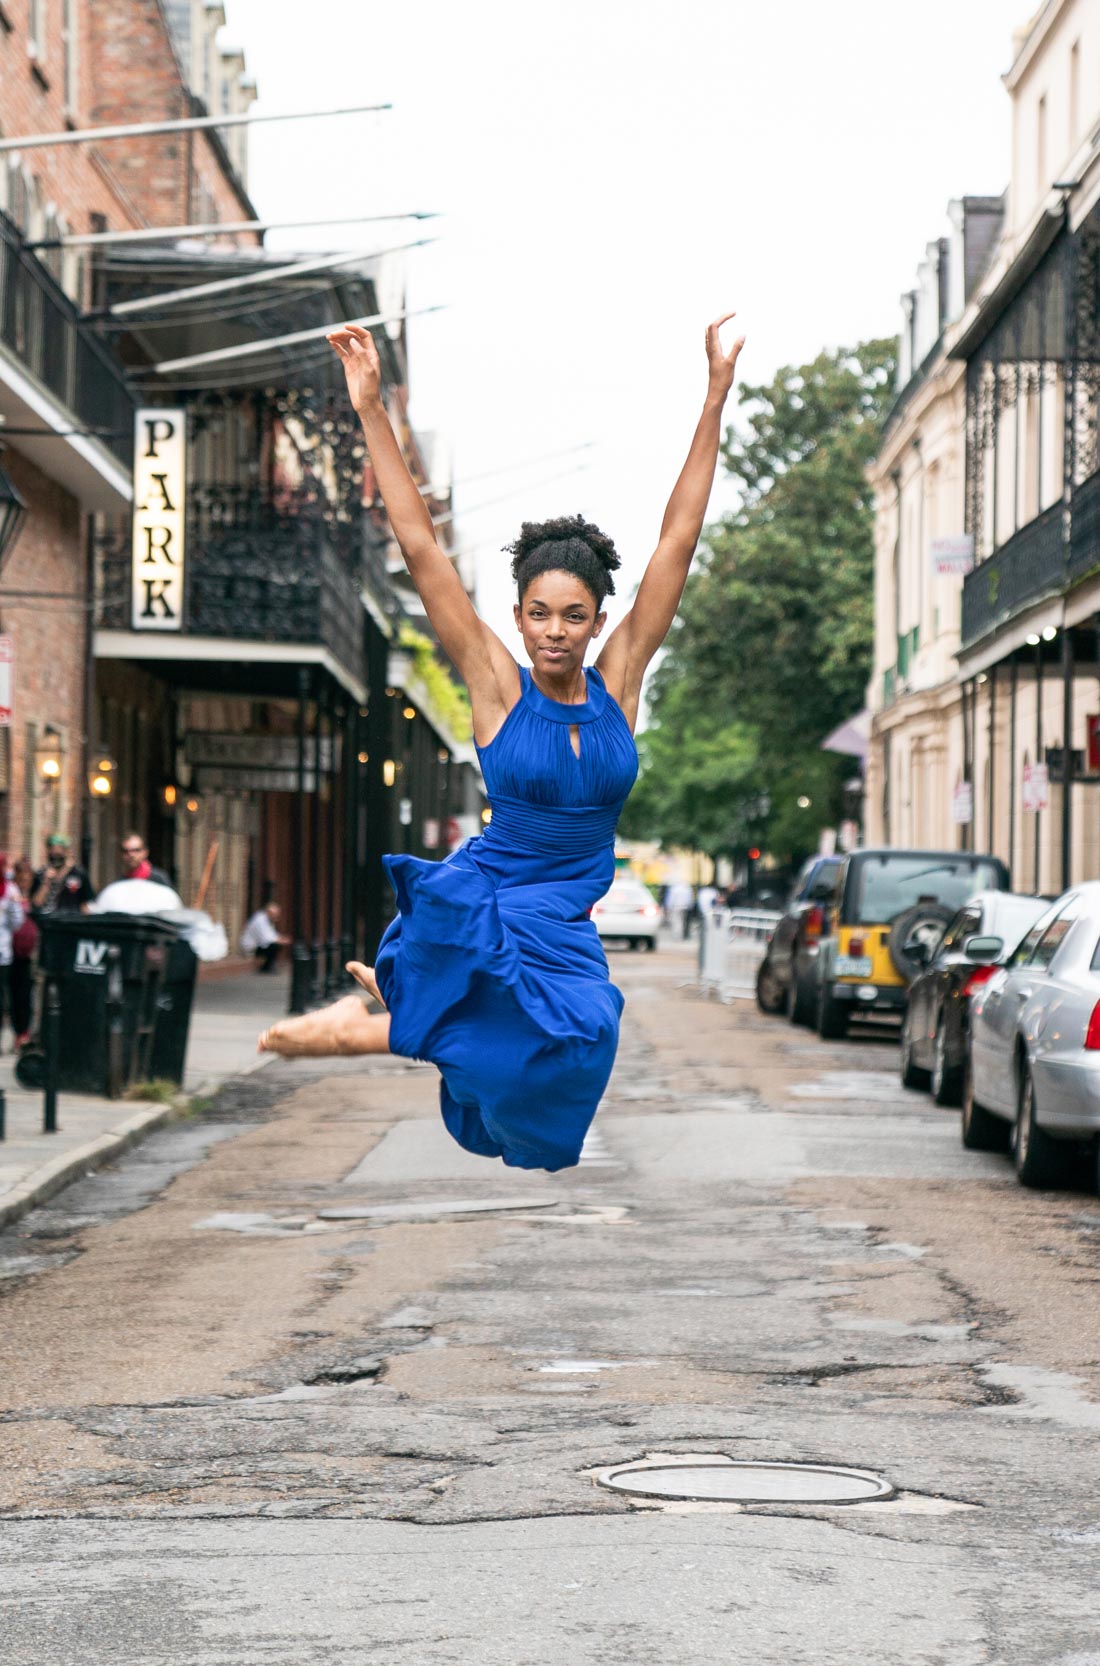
{"points": [[257, 570], [43, 328], [1084, 547], [1029, 565]]}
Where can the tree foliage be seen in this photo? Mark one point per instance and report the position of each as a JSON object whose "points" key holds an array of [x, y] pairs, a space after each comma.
{"points": [[772, 648]]}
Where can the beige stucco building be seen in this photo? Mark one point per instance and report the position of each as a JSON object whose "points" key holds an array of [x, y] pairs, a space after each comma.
{"points": [[993, 440]]}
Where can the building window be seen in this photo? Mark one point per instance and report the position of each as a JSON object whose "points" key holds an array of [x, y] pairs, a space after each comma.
{"points": [[69, 45], [36, 30], [1074, 91]]}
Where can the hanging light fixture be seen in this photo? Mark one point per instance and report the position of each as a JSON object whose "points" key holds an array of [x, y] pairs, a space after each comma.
{"points": [[49, 754], [13, 512], [101, 775]]}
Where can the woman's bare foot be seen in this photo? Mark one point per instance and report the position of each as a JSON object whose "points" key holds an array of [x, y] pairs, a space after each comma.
{"points": [[344, 1027], [365, 978]]}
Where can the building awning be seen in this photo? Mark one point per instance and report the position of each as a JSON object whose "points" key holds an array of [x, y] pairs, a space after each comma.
{"points": [[852, 738]]}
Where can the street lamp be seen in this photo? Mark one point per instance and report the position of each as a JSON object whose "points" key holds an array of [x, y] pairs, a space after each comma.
{"points": [[13, 512], [48, 755], [101, 776]]}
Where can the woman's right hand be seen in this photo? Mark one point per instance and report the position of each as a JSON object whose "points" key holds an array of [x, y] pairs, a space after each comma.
{"points": [[359, 356]]}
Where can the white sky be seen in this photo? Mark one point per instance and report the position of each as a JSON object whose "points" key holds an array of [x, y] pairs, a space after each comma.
{"points": [[613, 173]]}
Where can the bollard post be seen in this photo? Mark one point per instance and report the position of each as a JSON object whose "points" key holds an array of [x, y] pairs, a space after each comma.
{"points": [[3, 1115], [52, 1045]]}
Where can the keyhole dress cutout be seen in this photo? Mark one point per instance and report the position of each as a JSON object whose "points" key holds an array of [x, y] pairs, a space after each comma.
{"points": [[492, 969]]}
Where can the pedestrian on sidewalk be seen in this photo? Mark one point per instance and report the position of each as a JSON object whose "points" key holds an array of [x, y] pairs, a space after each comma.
{"points": [[136, 864], [24, 943], [61, 886], [492, 969], [681, 907], [261, 937]]}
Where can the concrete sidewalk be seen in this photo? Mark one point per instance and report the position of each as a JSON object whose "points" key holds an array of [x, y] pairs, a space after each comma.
{"points": [[228, 1014]]}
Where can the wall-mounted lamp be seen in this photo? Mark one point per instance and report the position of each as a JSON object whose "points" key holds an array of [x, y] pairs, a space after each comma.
{"points": [[171, 793], [48, 755], [102, 775], [409, 712], [389, 772]]}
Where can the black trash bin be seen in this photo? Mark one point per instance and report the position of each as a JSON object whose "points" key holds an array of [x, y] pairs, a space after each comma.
{"points": [[177, 992], [109, 970]]}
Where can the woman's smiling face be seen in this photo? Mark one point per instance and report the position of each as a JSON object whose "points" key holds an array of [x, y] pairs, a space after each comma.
{"points": [[558, 617]]}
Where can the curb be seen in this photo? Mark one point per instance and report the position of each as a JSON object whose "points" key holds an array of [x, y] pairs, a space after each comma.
{"points": [[55, 1175], [52, 1177]]}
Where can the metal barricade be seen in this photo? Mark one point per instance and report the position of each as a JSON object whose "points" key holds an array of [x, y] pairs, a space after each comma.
{"points": [[733, 942]]}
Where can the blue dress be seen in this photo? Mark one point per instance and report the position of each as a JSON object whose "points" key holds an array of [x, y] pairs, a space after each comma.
{"points": [[492, 969]]}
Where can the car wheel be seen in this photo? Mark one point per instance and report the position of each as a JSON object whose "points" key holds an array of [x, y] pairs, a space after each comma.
{"points": [[769, 994], [911, 1075], [946, 1078], [1040, 1161], [832, 1016], [981, 1130], [800, 1008], [650, 944]]}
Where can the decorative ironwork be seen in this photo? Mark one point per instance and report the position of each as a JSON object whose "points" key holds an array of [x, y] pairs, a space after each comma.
{"points": [[42, 327], [1030, 565]]}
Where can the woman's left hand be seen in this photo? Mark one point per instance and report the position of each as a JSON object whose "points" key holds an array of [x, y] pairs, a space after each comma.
{"points": [[722, 365]]}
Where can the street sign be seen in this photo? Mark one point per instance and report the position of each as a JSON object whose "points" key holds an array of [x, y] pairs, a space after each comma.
{"points": [[953, 557], [962, 804], [157, 563], [1036, 795], [7, 660]]}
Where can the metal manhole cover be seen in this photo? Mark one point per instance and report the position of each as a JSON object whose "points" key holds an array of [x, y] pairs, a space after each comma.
{"points": [[727, 1481]]}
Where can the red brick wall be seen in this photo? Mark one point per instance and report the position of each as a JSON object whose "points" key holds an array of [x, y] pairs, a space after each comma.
{"points": [[127, 72], [48, 638]]}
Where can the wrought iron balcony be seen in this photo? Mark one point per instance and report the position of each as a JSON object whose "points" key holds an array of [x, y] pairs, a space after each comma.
{"points": [[1028, 566], [42, 327], [1084, 549], [257, 571]]}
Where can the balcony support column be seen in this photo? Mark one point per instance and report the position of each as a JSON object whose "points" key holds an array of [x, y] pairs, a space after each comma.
{"points": [[1067, 755], [332, 945], [350, 862], [1013, 679], [317, 859], [299, 958], [1038, 749], [992, 758]]}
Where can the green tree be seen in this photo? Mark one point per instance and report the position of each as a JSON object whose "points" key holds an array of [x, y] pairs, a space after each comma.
{"points": [[773, 643]]}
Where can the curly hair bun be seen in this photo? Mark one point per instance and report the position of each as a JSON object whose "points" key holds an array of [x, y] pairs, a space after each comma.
{"points": [[569, 543]]}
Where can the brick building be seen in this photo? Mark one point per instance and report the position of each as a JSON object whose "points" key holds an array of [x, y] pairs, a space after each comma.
{"points": [[64, 401]]}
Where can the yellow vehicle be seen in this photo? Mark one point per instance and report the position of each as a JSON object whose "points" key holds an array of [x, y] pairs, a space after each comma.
{"points": [[890, 908]]}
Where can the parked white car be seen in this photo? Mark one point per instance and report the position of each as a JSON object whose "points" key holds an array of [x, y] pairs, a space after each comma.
{"points": [[1033, 1073], [628, 914]]}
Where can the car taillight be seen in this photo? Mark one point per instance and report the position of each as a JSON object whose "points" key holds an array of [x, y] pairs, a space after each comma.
{"points": [[594, 911], [980, 975], [649, 910], [814, 922], [1092, 1034], [855, 947]]}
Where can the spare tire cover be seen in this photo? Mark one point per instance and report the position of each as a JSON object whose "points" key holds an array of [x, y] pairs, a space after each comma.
{"points": [[923, 923]]}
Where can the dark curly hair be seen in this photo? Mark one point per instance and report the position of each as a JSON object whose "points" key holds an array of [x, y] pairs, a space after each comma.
{"points": [[569, 544]]}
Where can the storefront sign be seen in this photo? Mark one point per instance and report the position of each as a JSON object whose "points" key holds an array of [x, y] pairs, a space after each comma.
{"points": [[1036, 794], [160, 444], [953, 557], [962, 804], [6, 662]]}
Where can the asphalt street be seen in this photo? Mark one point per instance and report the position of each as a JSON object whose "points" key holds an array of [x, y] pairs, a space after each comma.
{"points": [[298, 1381]]}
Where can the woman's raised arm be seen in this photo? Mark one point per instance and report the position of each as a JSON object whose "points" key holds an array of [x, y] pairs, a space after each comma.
{"points": [[466, 640], [637, 638]]}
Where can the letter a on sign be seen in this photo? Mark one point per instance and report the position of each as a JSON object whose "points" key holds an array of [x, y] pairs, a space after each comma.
{"points": [[158, 560]]}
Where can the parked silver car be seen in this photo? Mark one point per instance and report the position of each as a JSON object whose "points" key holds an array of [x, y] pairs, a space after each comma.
{"points": [[1033, 1072]]}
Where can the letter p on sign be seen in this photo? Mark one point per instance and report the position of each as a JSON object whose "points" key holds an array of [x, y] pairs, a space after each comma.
{"points": [[157, 562]]}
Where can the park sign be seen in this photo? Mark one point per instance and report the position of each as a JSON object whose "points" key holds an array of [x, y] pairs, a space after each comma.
{"points": [[157, 566], [953, 557]]}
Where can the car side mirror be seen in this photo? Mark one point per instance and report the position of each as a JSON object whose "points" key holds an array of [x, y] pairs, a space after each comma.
{"points": [[984, 950]]}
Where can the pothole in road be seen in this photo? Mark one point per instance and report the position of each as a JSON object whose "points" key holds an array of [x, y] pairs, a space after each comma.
{"points": [[713, 1478]]}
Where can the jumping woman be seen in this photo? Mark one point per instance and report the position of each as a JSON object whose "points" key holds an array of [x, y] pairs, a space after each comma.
{"points": [[492, 969]]}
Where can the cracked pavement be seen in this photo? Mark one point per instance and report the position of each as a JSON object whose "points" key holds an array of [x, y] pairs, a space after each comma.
{"points": [[301, 1381]]}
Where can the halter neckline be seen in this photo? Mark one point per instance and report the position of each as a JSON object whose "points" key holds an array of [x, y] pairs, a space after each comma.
{"points": [[558, 711]]}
